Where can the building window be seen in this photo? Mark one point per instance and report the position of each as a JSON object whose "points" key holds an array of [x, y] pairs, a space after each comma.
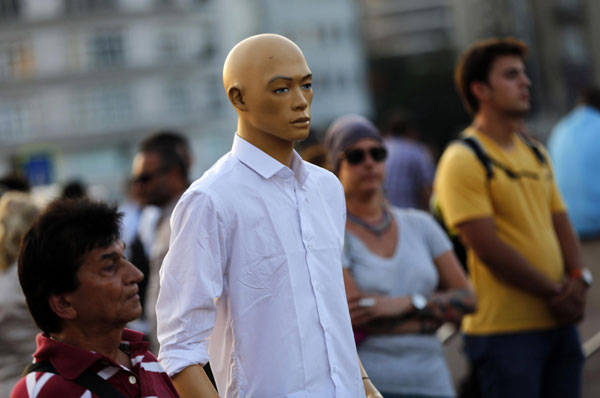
{"points": [[13, 122], [10, 9], [104, 108], [178, 99], [16, 60], [107, 49], [88, 6], [169, 47]]}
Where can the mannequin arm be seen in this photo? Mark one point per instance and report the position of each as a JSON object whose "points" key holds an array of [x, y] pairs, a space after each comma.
{"points": [[192, 382], [370, 390]]}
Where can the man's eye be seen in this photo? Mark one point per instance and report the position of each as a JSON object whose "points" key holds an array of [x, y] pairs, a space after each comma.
{"points": [[281, 90], [111, 267], [307, 86]]}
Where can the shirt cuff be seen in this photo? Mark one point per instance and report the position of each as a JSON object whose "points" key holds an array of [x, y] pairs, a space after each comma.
{"points": [[177, 360]]}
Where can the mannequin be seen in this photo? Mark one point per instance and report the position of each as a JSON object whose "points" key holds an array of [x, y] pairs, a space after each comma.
{"points": [[269, 84]]}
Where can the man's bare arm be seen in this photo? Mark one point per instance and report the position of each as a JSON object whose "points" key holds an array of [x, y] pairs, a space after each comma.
{"points": [[192, 382], [370, 390], [503, 260], [569, 305], [569, 244]]}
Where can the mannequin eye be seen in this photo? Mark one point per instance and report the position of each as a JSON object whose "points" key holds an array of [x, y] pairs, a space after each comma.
{"points": [[281, 90]]}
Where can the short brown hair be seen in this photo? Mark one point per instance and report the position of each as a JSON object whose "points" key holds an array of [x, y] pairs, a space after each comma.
{"points": [[475, 63]]}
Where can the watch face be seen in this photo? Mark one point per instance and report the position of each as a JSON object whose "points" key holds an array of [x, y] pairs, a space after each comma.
{"points": [[586, 276], [419, 301]]}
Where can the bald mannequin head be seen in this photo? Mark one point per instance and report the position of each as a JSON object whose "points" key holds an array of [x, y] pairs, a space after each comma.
{"points": [[269, 84]]}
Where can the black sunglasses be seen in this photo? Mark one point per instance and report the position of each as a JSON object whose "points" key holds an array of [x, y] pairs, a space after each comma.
{"points": [[147, 177], [357, 156]]}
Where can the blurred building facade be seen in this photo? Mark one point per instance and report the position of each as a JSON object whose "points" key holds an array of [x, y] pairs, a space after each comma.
{"points": [[564, 41], [82, 81], [413, 46]]}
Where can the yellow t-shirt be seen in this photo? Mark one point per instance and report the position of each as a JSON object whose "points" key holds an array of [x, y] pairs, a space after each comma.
{"points": [[522, 212]]}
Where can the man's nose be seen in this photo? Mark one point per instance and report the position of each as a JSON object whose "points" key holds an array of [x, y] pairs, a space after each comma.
{"points": [[134, 275]]}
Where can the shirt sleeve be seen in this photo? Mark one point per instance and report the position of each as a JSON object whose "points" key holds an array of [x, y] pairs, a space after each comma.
{"points": [[191, 278], [425, 167], [437, 240], [557, 205], [461, 186]]}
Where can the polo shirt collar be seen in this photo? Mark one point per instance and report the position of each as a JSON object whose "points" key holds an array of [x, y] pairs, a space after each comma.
{"points": [[264, 164], [71, 361]]}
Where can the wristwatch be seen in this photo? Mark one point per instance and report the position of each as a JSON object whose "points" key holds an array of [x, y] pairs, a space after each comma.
{"points": [[418, 301], [584, 274]]}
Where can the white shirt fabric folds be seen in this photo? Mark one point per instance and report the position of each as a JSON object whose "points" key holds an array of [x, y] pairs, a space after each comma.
{"points": [[253, 280]]}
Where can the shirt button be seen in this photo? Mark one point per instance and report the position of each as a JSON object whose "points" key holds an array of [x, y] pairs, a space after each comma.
{"points": [[132, 379]]}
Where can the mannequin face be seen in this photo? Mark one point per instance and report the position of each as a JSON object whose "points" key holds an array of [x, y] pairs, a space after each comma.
{"points": [[270, 85], [279, 99]]}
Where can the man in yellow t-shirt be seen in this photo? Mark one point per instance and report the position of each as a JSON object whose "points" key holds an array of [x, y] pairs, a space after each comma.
{"points": [[523, 256]]}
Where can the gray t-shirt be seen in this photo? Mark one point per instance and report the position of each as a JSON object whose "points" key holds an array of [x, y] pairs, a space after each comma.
{"points": [[404, 363]]}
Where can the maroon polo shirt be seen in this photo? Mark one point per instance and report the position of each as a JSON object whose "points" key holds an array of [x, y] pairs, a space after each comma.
{"points": [[146, 378]]}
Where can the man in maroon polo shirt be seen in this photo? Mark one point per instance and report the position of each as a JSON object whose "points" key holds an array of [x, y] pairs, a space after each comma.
{"points": [[81, 292]]}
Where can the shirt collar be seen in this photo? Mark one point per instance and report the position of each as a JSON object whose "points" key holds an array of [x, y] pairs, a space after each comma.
{"points": [[264, 164], [71, 361]]}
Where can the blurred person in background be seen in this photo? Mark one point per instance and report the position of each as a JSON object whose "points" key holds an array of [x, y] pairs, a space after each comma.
{"points": [[316, 154], [74, 189], [14, 182], [138, 235], [522, 252], [574, 146], [409, 166], [82, 291], [402, 278], [160, 173], [17, 329]]}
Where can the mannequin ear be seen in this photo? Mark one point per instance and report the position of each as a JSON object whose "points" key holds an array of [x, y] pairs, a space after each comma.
{"points": [[62, 307], [480, 90], [236, 98]]}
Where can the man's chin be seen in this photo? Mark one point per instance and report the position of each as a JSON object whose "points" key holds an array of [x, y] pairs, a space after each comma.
{"points": [[518, 113]]}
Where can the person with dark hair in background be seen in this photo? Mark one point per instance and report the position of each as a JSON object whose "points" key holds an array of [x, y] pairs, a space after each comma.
{"points": [[81, 292], [160, 174], [14, 182], [17, 330], [523, 255], [74, 189], [409, 166]]}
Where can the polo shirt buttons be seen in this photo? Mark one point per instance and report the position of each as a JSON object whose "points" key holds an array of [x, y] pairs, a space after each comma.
{"points": [[132, 379]]}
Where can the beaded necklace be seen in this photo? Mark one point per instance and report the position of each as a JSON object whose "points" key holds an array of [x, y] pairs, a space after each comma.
{"points": [[378, 227]]}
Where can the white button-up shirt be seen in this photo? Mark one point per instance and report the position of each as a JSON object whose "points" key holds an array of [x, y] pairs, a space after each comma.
{"points": [[253, 280]]}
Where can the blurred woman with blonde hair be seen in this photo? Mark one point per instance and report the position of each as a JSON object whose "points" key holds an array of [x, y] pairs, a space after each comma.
{"points": [[17, 330]]}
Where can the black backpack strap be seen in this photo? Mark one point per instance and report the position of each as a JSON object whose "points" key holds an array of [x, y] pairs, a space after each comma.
{"points": [[88, 379], [43, 366], [477, 149], [534, 148]]}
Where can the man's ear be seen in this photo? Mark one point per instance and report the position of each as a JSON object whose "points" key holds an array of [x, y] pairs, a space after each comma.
{"points": [[62, 307], [480, 90], [236, 98]]}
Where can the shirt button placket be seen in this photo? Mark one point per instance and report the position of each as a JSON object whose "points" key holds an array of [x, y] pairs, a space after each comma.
{"points": [[132, 379]]}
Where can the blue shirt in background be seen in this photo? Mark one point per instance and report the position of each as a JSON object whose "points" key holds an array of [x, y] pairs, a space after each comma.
{"points": [[574, 146]]}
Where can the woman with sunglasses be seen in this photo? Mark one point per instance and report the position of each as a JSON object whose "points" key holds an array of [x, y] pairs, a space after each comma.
{"points": [[402, 278]]}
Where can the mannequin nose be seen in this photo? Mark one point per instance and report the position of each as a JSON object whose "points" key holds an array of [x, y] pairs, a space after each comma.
{"points": [[300, 101]]}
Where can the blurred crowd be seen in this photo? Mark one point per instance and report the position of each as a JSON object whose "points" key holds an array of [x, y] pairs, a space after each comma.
{"points": [[500, 196]]}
